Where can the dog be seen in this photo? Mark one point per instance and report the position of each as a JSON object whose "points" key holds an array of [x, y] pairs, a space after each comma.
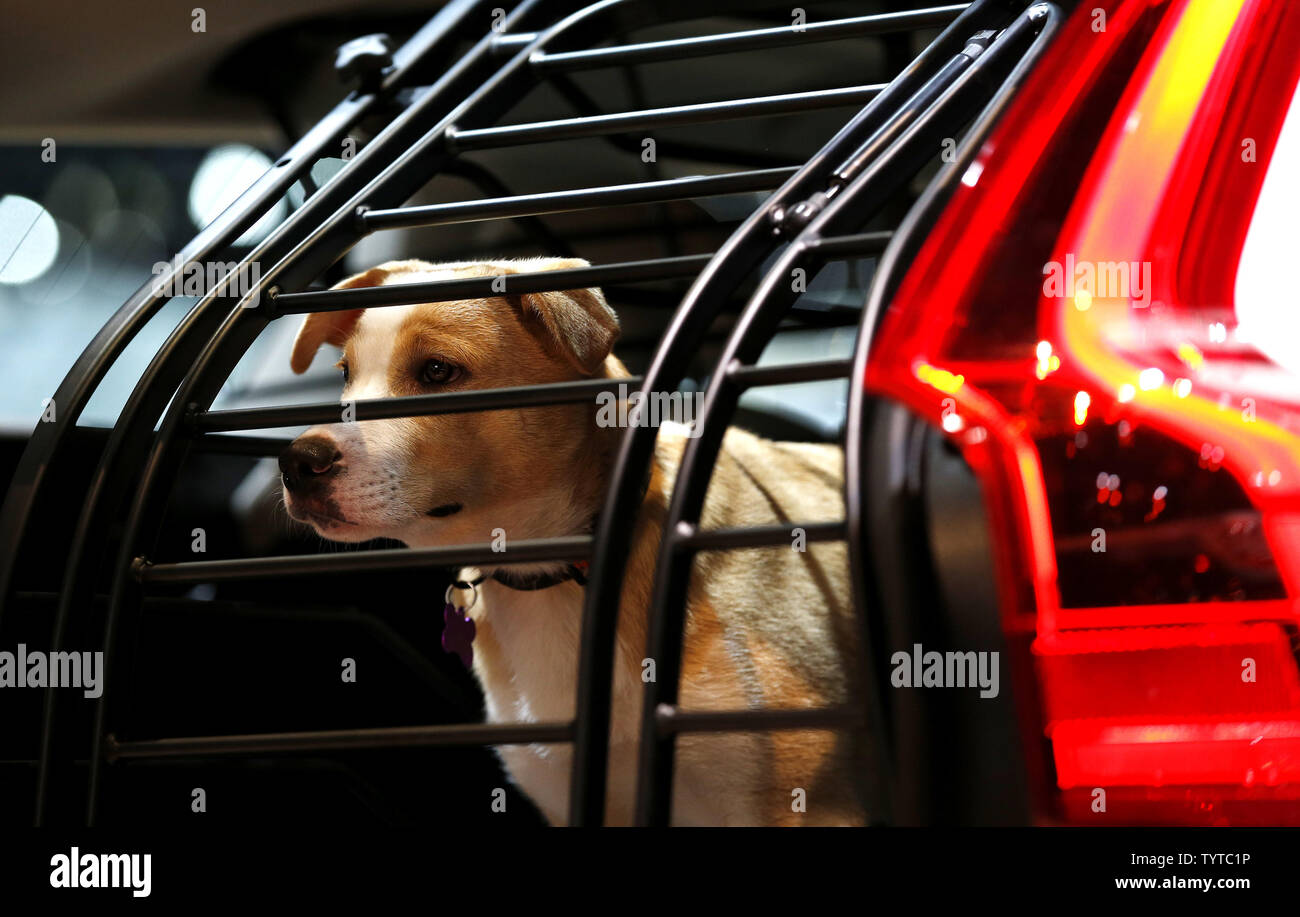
{"points": [[766, 627]]}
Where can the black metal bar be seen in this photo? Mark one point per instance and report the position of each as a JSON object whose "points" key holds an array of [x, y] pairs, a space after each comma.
{"points": [[521, 205], [859, 243], [747, 40], [672, 116], [489, 185], [339, 740], [758, 536], [403, 294], [511, 43], [483, 399], [579, 199], [789, 373], [741, 255], [514, 397], [673, 721], [217, 444], [571, 548], [684, 146]]}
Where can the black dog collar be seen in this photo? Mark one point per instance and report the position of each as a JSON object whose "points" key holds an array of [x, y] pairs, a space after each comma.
{"points": [[532, 582]]}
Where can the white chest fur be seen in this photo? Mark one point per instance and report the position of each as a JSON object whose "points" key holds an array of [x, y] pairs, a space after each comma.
{"points": [[526, 659]]}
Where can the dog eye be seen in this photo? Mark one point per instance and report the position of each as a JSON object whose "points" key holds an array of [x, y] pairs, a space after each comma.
{"points": [[438, 372], [344, 366]]}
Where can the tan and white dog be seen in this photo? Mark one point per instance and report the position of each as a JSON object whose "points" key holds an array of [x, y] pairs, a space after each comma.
{"points": [[767, 627]]}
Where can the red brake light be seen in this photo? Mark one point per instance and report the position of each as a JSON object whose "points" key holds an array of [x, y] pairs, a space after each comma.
{"points": [[1075, 322]]}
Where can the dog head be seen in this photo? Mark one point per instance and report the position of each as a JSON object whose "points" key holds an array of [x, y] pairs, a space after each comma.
{"points": [[454, 478]]}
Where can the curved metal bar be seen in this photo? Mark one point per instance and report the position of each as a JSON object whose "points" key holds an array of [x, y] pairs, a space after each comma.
{"points": [[490, 138], [569, 548], [741, 254], [893, 265], [952, 96], [439, 736], [749, 40], [521, 205]]}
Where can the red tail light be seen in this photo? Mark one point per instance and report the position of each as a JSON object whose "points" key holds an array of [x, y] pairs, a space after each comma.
{"points": [[1098, 320]]}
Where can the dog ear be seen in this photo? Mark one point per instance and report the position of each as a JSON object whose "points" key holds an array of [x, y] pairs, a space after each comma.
{"points": [[579, 323], [331, 327]]}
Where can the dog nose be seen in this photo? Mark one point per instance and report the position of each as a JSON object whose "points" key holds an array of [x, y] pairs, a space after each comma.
{"points": [[308, 460]]}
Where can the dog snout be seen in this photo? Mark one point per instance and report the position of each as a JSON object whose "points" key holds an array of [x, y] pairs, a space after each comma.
{"points": [[309, 462]]}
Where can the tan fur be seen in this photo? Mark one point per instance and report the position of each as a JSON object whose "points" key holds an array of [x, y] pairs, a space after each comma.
{"points": [[766, 627]]}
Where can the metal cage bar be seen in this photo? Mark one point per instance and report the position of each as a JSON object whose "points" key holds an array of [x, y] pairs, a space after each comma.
{"points": [[650, 192], [523, 551], [749, 40], [489, 138], [341, 739], [467, 288]]}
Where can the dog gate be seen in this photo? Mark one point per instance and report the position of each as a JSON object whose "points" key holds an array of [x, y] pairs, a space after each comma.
{"points": [[814, 215]]}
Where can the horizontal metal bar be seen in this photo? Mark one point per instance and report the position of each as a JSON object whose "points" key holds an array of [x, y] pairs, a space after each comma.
{"points": [[339, 739], [510, 43], [483, 399], [570, 548], [576, 278], [758, 536], [788, 373], [858, 243], [670, 719], [671, 116], [217, 444], [523, 205], [747, 40]]}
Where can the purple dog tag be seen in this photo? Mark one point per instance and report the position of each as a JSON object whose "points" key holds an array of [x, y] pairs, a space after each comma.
{"points": [[458, 633]]}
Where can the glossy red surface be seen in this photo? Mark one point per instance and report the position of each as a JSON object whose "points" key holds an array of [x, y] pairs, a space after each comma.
{"points": [[1070, 322]]}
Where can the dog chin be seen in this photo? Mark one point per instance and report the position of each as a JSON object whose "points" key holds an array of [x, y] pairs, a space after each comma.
{"points": [[328, 525]]}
